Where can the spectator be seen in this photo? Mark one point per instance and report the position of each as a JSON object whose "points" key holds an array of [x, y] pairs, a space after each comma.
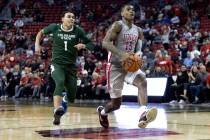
{"points": [[50, 86], [90, 16], [158, 72], [183, 49], [2, 46], [10, 82], [20, 90], [2, 87], [196, 60], [13, 8], [207, 62], [207, 89], [195, 20], [50, 2], [187, 34], [36, 85], [195, 52], [199, 86], [208, 11], [19, 23], [98, 85], [193, 74], [180, 86], [20, 40], [84, 89], [89, 65], [188, 60], [29, 52], [165, 36]]}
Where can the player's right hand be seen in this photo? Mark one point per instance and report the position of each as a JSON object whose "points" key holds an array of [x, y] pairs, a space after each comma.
{"points": [[80, 46], [37, 49], [136, 56]]}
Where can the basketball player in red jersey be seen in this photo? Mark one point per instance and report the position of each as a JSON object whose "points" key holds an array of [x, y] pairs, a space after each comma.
{"points": [[127, 39]]}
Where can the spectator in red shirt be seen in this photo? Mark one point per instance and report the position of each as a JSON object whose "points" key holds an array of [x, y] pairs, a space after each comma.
{"points": [[98, 85], [165, 63], [36, 85], [25, 83], [20, 88]]}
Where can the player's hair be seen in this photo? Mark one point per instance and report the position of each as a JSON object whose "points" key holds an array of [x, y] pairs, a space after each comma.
{"points": [[123, 7], [64, 12]]}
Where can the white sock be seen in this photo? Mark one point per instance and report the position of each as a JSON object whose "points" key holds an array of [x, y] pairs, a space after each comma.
{"points": [[143, 107], [103, 112], [64, 99]]}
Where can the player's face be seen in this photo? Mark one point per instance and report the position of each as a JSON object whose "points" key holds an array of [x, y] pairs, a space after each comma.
{"points": [[128, 12], [68, 19]]}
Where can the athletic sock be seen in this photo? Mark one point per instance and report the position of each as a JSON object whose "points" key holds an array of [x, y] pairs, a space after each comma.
{"points": [[103, 112]]}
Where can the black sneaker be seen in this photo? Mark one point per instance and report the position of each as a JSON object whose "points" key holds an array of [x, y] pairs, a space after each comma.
{"points": [[103, 119], [57, 115]]}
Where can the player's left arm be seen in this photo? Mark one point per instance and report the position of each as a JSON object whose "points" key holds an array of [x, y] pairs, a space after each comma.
{"points": [[86, 42], [138, 52]]}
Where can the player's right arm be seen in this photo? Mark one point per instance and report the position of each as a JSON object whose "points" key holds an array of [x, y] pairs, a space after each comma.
{"points": [[37, 42], [111, 35], [47, 30]]}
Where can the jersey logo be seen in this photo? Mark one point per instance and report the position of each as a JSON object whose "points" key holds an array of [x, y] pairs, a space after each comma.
{"points": [[66, 36], [130, 41]]}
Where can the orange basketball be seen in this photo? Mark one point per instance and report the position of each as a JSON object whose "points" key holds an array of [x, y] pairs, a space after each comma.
{"points": [[132, 65]]}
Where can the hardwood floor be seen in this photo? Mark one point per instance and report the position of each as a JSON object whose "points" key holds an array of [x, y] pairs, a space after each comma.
{"points": [[32, 120]]}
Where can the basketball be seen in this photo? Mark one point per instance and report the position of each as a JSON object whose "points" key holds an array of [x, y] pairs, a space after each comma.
{"points": [[131, 64]]}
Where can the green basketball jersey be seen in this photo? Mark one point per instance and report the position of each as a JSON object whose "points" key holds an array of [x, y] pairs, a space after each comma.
{"points": [[63, 51]]}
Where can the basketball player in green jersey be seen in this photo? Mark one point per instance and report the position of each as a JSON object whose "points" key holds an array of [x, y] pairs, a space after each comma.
{"points": [[67, 39]]}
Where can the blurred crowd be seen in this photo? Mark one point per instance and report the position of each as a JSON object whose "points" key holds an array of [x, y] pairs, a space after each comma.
{"points": [[174, 46]]}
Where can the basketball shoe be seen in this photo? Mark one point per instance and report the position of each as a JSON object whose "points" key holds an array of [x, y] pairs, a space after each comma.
{"points": [[147, 117], [103, 119], [58, 113]]}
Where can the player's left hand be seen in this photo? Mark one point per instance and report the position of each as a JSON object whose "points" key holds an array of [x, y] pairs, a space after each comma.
{"points": [[136, 56], [80, 46]]}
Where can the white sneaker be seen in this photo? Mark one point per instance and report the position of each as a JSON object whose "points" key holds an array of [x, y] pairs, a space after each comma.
{"points": [[46, 98], [182, 102], [173, 102], [147, 117], [3, 98]]}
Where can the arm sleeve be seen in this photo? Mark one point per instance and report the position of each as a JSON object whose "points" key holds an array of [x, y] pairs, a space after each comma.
{"points": [[49, 29], [86, 40], [139, 43], [138, 47]]}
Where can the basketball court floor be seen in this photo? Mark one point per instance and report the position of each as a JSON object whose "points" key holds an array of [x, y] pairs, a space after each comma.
{"points": [[32, 120]]}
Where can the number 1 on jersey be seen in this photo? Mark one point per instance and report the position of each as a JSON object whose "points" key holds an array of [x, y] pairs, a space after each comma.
{"points": [[65, 43]]}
